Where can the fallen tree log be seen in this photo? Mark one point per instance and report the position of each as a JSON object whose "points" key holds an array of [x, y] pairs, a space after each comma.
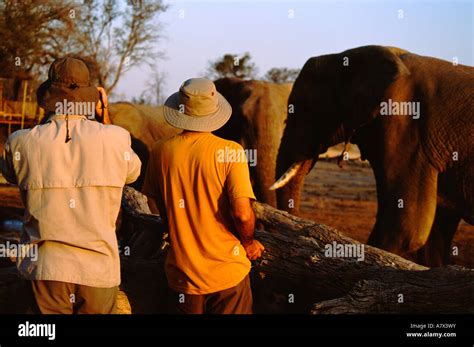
{"points": [[306, 268]]}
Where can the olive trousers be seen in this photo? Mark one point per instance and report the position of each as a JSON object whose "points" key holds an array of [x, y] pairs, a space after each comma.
{"points": [[235, 300], [53, 297]]}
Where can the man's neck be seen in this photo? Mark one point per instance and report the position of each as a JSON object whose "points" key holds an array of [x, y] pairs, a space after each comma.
{"points": [[194, 132]]}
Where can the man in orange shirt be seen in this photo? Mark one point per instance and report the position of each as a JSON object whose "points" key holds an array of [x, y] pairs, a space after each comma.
{"points": [[200, 184]]}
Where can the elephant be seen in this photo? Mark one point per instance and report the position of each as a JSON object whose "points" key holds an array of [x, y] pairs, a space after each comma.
{"points": [[146, 125], [257, 123], [421, 150]]}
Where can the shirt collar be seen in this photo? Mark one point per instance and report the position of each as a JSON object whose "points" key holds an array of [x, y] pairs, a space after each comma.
{"points": [[63, 116]]}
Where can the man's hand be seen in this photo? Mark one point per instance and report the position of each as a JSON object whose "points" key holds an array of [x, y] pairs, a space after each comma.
{"points": [[102, 107], [254, 249]]}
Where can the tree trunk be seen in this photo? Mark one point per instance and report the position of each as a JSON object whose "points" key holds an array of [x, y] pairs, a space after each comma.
{"points": [[296, 273]]}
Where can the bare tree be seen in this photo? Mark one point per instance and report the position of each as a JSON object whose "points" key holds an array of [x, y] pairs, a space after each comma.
{"points": [[232, 65], [115, 38], [154, 92], [281, 75], [109, 35], [156, 86]]}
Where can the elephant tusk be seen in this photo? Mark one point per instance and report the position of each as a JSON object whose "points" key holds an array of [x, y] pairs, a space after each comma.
{"points": [[287, 176]]}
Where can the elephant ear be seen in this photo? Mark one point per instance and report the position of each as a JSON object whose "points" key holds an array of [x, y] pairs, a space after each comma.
{"points": [[369, 74]]}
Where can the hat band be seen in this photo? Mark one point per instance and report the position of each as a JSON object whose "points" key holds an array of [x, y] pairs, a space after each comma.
{"points": [[71, 85], [198, 106]]}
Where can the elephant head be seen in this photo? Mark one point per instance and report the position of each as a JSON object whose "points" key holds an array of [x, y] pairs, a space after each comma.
{"points": [[333, 96]]}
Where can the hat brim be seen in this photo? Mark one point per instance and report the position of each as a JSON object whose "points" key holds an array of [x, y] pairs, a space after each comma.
{"points": [[208, 123], [49, 94]]}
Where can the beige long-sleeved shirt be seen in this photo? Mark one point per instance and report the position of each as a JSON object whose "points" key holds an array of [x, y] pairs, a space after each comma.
{"points": [[72, 193]]}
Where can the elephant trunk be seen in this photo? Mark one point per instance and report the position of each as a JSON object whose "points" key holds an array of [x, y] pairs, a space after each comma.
{"points": [[294, 161], [298, 152]]}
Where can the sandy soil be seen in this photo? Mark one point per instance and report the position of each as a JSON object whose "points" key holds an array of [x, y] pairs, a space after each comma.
{"points": [[342, 198]]}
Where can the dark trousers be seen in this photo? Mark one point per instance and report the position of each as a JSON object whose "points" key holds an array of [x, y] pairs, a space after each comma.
{"points": [[235, 300], [53, 297]]}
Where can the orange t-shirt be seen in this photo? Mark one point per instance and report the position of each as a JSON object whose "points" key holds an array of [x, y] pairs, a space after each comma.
{"points": [[194, 176]]}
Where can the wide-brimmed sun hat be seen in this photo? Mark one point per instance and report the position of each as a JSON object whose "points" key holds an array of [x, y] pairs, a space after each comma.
{"points": [[68, 79], [197, 106]]}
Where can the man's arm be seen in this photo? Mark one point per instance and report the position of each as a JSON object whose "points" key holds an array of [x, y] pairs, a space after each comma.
{"points": [[134, 163], [157, 206], [244, 220], [151, 187], [102, 107], [240, 193], [6, 164]]}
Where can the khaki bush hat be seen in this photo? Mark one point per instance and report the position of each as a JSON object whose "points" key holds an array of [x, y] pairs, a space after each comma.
{"points": [[197, 106]]}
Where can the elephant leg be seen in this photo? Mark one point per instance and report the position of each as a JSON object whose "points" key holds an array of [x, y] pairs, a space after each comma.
{"points": [[436, 251], [407, 201]]}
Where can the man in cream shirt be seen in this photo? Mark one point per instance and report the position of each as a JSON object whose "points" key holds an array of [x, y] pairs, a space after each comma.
{"points": [[71, 171]]}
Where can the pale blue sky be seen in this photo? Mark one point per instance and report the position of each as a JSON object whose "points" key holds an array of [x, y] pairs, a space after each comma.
{"points": [[209, 29]]}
